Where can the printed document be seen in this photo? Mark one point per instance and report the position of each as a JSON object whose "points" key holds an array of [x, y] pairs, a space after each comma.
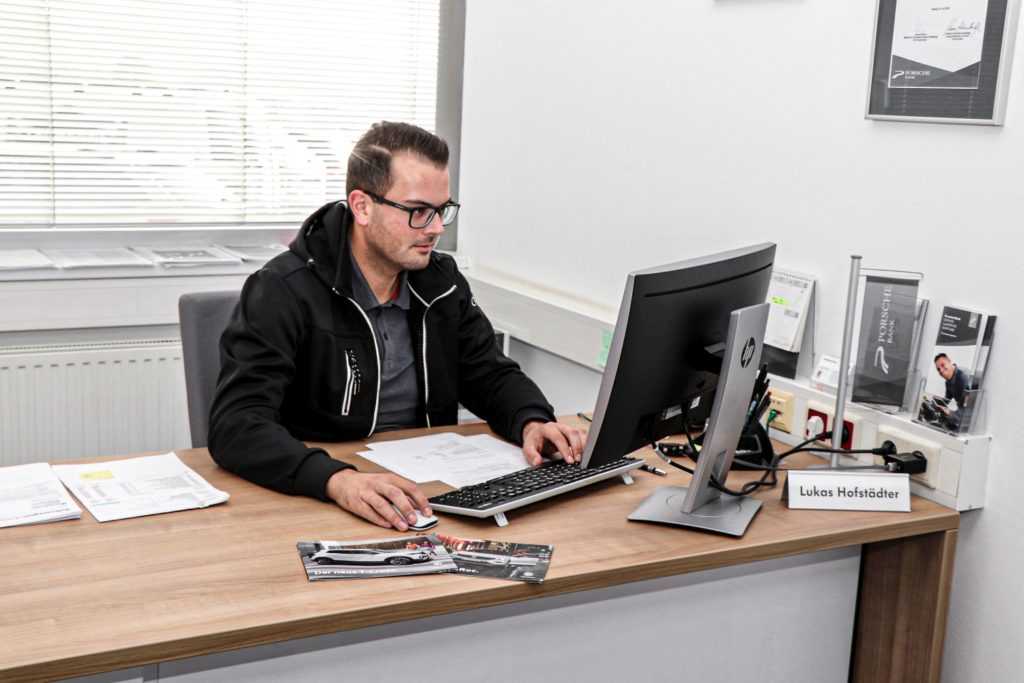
{"points": [[452, 458], [32, 494], [136, 487], [96, 258], [937, 44]]}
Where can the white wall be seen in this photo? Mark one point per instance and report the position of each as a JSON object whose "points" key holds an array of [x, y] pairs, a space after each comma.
{"points": [[599, 137]]}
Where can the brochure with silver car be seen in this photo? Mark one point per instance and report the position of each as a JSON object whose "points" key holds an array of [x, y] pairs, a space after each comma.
{"points": [[402, 556]]}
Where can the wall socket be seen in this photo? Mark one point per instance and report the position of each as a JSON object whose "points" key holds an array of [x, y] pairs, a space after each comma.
{"points": [[851, 424], [907, 443], [957, 465], [782, 403]]}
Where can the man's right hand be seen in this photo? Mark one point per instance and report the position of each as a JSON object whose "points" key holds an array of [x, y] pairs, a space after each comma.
{"points": [[370, 496]]}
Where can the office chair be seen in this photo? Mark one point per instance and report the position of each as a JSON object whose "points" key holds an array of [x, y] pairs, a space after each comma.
{"points": [[203, 317]]}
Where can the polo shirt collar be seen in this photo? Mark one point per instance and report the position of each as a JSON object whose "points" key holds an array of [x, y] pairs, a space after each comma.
{"points": [[365, 297]]}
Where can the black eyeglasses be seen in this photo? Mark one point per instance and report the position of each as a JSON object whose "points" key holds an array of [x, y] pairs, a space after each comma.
{"points": [[421, 216]]}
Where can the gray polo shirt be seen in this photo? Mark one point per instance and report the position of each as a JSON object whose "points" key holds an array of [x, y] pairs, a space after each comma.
{"points": [[398, 385]]}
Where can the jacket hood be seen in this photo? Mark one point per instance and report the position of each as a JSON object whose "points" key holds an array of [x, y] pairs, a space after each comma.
{"points": [[322, 243]]}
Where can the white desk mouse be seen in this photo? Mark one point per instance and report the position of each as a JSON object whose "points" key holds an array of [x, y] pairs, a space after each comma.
{"points": [[423, 522]]}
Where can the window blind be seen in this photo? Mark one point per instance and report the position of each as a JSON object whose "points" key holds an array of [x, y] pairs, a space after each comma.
{"points": [[142, 112]]}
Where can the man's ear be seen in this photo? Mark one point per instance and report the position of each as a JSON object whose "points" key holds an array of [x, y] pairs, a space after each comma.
{"points": [[359, 204]]}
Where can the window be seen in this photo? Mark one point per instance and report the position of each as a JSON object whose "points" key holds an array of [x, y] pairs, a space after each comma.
{"points": [[234, 112]]}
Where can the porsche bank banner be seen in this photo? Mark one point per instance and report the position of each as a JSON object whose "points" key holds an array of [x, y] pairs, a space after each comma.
{"points": [[886, 340]]}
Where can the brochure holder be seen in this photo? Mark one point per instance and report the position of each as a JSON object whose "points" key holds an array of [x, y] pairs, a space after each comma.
{"points": [[792, 364], [886, 377], [789, 346]]}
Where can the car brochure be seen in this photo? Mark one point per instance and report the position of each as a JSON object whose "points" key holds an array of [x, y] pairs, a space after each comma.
{"points": [[956, 372], [135, 487], [32, 494], [499, 559], [370, 559]]}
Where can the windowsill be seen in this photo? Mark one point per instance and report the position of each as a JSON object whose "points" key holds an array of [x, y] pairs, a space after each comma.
{"points": [[177, 236], [128, 273]]}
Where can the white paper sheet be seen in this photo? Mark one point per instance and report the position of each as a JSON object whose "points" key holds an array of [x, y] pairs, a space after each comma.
{"points": [[24, 259], [452, 458], [254, 252], [32, 494], [96, 258], [136, 487]]}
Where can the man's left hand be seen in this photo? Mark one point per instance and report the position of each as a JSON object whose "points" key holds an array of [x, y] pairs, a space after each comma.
{"points": [[541, 438]]}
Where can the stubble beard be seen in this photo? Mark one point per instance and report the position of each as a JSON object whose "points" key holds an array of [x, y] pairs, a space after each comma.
{"points": [[389, 251]]}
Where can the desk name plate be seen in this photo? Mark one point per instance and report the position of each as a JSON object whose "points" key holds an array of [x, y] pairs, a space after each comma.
{"points": [[826, 489]]}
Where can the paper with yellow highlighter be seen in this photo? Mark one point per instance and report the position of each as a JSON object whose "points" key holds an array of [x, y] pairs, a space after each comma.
{"points": [[149, 485]]}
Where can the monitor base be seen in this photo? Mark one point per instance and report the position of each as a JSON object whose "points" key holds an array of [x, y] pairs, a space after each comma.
{"points": [[724, 515]]}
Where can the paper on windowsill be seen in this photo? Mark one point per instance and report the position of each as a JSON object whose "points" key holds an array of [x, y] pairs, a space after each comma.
{"points": [[24, 259], [150, 485]]}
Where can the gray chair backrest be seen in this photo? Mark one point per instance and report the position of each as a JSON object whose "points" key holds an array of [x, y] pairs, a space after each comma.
{"points": [[203, 317]]}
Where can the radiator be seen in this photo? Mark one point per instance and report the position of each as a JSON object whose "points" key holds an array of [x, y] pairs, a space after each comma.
{"points": [[84, 399]]}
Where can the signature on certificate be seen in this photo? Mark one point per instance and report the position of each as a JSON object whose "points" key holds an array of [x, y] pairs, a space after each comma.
{"points": [[962, 28]]}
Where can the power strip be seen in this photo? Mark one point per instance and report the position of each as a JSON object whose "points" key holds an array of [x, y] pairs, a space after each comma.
{"points": [[957, 465]]}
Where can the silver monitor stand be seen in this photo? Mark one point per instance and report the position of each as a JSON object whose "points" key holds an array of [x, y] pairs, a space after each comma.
{"points": [[701, 506]]}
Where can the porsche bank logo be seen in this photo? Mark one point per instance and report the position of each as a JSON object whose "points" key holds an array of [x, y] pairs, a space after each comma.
{"points": [[748, 352]]}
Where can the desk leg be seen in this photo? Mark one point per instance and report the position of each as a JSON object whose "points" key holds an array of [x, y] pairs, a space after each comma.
{"points": [[901, 608]]}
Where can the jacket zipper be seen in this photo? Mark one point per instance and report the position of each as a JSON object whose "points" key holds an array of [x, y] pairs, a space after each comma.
{"points": [[356, 373], [423, 322], [376, 355], [346, 398], [353, 380]]}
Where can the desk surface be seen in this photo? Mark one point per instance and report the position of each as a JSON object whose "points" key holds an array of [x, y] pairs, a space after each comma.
{"points": [[81, 597]]}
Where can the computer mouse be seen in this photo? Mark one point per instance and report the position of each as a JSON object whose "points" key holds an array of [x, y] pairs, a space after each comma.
{"points": [[423, 522]]}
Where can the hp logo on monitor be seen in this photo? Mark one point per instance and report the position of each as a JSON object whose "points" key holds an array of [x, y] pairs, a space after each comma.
{"points": [[748, 352]]}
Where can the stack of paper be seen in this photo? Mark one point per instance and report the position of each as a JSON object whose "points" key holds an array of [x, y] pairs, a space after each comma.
{"points": [[96, 258], [254, 252], [24, 259], [31, 494], [186, 256], [135, 487], [452, 458]]}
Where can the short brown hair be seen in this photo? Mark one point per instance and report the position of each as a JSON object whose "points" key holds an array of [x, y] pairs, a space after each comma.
{"points": [[369, 164]]}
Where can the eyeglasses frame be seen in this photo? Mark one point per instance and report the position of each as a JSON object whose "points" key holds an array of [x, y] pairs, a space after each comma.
{"points": [[435, 210]]}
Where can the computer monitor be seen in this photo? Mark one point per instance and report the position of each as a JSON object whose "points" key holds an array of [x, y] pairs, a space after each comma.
{"points": [[687, 342]]}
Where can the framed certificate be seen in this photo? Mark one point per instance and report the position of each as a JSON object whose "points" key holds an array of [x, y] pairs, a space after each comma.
{"points": [[942, 61]]}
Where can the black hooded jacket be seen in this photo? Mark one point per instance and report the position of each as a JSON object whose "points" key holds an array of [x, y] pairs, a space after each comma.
{"points": [[300, 362]]}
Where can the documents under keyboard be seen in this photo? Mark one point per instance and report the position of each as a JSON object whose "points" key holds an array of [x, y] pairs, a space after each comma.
{"points": [[494, 497]]}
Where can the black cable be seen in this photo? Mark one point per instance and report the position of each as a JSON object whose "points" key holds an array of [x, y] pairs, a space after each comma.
{"points": [[583, 416]]}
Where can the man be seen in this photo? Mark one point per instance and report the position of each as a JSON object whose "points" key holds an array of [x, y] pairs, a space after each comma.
{"points": [[362, 327], [957, 381], [957, 384]]}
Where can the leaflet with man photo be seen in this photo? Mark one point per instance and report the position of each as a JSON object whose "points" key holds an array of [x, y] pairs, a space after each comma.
{"points": [[374, 558], [499, 559], [952, 389]]}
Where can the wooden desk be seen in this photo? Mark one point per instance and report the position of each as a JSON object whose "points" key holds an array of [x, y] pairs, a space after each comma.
{"points": [[81, 597]]}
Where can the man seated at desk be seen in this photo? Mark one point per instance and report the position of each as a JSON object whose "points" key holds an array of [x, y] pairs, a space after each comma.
{"points": [[957, 385], [361, 327]]}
